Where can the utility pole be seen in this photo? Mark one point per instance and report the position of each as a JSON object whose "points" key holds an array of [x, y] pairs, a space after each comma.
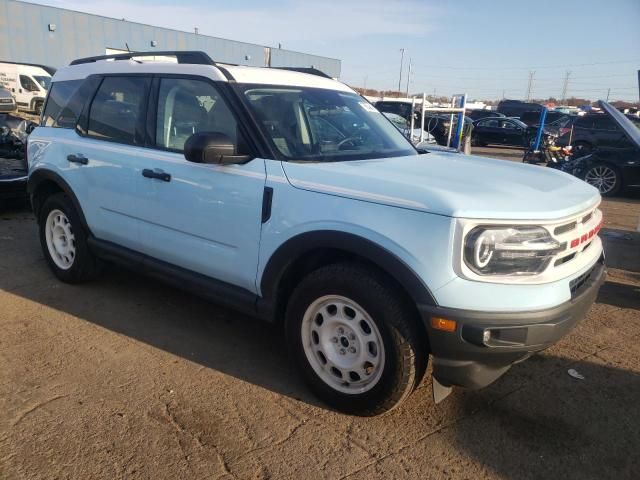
{"points": [[565, 85], [401, 62], [365, 82], [408, 76], [608, 92], [531, 74]]}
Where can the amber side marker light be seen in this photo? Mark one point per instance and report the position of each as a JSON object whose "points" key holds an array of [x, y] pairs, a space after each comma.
{"points": [[443, 324]]}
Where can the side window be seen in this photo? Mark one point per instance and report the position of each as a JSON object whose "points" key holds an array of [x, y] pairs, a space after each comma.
{"points": [[117, 108], [187, 106], [28, 84], [604, 123], [490, 123], [60, 111]]}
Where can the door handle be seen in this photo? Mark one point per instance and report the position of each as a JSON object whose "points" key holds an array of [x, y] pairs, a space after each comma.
{"points": [[159, 174], [79, 158]]}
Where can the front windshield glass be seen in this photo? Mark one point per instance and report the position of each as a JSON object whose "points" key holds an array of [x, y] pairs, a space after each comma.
{"points": [[311, 124], [43, 80]]}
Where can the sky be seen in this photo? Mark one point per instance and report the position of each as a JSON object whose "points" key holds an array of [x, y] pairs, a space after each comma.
{"points": [[485, 48]]}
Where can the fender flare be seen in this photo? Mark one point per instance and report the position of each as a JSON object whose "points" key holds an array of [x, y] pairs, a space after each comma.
{"points": [[42, 175], [297, 246]]}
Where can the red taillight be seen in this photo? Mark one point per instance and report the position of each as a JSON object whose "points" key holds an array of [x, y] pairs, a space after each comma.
{"points": [[564, 131]]}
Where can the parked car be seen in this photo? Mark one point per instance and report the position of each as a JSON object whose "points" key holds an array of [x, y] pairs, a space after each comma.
{"points": [[478, 114], [288, 197], [439, 124], [515, 108], [502, 131], [532, 118], [7, 102], [401, 108], [612, 167], [594, 130], [27, 83], [404, 126]]}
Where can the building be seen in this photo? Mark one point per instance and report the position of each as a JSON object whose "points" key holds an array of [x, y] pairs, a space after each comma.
{"points": [[52, 36]]}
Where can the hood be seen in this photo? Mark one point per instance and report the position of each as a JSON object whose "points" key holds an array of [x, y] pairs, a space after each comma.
{"points": [[460, 186]]}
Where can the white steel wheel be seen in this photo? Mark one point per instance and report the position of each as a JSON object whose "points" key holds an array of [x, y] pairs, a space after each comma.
{"points": [[342, 344], [603, 178], [61, 242]]}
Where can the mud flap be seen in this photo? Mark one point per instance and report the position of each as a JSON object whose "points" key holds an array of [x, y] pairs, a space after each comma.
{"points": [[440, 392]]}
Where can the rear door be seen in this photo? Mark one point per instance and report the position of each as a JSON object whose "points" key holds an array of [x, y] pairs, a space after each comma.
{"points": [[202, 217], [607, 133]]}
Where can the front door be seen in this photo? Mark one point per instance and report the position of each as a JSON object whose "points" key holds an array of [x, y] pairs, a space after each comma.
{"points": [[202, 217]]}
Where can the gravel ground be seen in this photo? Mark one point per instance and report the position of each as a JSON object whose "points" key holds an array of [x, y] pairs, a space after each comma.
{"points": [[127, 378]]}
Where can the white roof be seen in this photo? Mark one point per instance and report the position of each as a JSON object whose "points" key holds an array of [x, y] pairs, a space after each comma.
{"points": [[241, 74]]}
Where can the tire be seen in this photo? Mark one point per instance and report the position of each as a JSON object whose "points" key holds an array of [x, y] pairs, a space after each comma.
{"points": [[365, 325], [38, 108], [475, 141], [64, 241], [606, 178]]}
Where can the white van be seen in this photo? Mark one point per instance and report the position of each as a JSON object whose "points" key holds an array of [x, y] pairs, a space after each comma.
{"points": [[27, 83]]}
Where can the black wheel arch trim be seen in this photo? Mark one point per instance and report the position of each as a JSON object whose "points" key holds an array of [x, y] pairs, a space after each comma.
{"points": [[296, 247], [38, 177]]}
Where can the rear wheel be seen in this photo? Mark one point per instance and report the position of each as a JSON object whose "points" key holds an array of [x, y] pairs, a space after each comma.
{"points": [[605, 178], [64, 241], [354, 339]]}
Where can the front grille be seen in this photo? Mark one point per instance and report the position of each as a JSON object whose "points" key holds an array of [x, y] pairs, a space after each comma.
{"points": [[587, 217], [6, 100], [565, 228]]}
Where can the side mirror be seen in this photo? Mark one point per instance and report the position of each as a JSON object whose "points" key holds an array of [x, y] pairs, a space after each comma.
{"points": [[31, 126], [212, 147]]}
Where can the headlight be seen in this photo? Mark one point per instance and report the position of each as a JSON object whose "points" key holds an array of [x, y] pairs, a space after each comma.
{"points": [[509, 250]]}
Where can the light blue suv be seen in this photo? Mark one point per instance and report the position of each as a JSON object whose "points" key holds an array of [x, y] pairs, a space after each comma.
{"points": [[291, 198]]}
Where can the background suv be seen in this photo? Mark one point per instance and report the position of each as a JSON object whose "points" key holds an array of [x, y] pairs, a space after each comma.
{"points": [[595, 130], [290, 198]]}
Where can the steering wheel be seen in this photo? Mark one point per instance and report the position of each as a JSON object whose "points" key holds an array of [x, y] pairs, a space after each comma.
{"points": [[352, 140]]}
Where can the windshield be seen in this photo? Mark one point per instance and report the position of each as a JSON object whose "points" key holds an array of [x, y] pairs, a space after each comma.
{"points": [[43, 80], [311, 124]]}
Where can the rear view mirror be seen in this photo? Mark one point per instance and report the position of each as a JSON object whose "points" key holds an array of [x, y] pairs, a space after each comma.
{"points": [[212, 147]]}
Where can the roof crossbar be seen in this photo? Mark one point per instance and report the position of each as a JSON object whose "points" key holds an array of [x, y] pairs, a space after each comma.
{"points": [[192, 57]]}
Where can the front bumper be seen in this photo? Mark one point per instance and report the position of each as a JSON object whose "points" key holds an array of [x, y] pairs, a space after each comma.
{"points": [[469, 358]]}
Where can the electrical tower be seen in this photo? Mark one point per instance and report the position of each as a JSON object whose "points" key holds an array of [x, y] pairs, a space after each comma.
{"points": [[565, 85], [530, 86]]}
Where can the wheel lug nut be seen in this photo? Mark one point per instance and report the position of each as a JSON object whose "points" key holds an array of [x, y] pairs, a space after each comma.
{"points": [[352, 337], [334, 339], [342, 351], [340, 330], [352, 350]]}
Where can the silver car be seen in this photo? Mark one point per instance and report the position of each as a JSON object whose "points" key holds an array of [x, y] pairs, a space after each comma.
{"points": [[7, 102]]}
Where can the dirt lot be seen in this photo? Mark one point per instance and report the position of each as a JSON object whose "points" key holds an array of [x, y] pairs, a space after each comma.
{"points": [[127, 378]]}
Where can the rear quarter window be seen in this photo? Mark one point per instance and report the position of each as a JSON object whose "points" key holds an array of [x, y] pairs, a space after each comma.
{"points": [[60, 110]]}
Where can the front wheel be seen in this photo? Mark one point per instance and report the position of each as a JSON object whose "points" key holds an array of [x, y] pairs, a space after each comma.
{"points": [[354, 339], [605, 178]]}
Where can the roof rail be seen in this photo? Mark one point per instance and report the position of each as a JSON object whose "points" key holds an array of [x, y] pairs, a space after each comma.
{"points": [[192, 57], [307, 70]]}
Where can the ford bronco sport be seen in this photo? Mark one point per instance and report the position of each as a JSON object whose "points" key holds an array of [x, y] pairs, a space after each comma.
{"points": [[291, 198]]}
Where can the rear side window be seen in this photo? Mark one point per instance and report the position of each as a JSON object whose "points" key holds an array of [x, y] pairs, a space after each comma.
{"points": [[61, 111], [117, 108]]}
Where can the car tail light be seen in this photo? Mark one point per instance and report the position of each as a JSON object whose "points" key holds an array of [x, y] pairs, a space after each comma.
{"points": [[564, 131]]}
